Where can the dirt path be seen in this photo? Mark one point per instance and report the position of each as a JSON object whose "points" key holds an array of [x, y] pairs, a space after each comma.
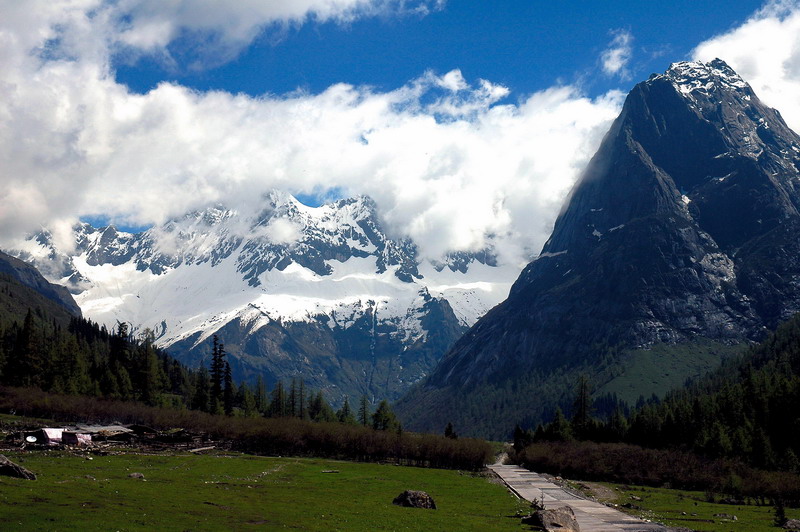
{"points": [[592, 516]]}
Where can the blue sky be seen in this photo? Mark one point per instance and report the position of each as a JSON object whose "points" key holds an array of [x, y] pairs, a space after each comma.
{"points": [[468, 122], [524, 45]]}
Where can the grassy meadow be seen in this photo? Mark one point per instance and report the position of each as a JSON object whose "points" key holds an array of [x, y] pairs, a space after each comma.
{"points": [[686, 509], [241, 492]]}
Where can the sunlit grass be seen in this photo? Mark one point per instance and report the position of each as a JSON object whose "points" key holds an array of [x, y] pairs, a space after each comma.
{"points": [[189, 492]]}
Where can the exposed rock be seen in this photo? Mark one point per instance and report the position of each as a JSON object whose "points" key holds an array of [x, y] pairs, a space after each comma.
{"points": [[415, 499], [555, 520], [10, 469], [793, 525], [684, 226], [136, 475]]}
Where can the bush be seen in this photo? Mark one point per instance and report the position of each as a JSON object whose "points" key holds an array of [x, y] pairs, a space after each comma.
{"points": [[270, 436], [630, 464]]}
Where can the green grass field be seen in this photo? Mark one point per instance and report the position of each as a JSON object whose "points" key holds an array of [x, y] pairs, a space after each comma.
{"points": [[239, 492], [690, 509]]}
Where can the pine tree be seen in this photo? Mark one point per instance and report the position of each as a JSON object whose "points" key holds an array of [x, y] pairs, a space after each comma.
{"points": [[345, 414], [384, 418], [303, 406], [581, 419], [363, 411], [277, 405], [201, 399], [293, 400], [449, 432], [217, 376], [261, 395], [230, 390]]}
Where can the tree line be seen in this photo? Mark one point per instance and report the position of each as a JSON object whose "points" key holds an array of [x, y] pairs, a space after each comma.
{"points": [[745, 413], [745, 410], [87, 359]]}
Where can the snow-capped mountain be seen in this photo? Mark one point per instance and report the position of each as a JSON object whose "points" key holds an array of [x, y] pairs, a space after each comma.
{"points": [[684, 229], [320, 293]]}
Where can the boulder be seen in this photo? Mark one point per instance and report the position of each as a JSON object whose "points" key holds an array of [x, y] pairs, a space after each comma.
{"points": [[136, 475], [10, 469], [792, 524], [556, 520], [415, 499]]}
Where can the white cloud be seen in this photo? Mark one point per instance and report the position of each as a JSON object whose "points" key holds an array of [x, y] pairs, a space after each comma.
{"points": [[447, 162], [615, 58], [765, 51], [282, 231]]}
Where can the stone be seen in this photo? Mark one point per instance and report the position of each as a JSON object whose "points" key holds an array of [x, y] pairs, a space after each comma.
{"points": [[560, 519], [10, 469], [136, 475], [415, 499], [792, 524]]}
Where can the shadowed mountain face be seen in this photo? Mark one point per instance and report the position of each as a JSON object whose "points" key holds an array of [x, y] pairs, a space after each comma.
{"points": [[685, 226], [27, 275]]}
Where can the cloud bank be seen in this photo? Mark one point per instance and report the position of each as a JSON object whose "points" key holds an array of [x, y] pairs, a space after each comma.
{"points": [[449, 161], [765, 51]]}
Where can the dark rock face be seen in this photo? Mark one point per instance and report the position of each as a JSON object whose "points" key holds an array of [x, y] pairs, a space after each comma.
{"points": [[684, 225], [415, 499], [30, 277], [369, 357]]}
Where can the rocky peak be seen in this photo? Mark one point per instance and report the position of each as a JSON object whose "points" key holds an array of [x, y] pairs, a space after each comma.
{"points": [[685, 225]]}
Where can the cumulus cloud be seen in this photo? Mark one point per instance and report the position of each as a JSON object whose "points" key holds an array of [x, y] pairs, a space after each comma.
{"points": [[450, 162], [765, 51], [615, 58]]}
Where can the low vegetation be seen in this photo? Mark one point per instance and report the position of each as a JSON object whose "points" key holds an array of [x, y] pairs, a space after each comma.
{"points": [[695, 510], [237, 492], [630, 464], [273, 436]]}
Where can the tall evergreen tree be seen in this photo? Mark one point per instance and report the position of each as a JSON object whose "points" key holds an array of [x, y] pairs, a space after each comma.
{"points": [[384, 418], [229, 392], [217, 376], [363, 411], [581, 418], [345, 413], [262, 403]]}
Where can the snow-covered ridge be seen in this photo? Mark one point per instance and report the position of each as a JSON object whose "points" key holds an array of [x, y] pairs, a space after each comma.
{"points": [[691, 76], [284, 262]]}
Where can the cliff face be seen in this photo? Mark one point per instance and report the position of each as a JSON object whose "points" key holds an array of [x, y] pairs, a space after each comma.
{"points": [[684, 226]]}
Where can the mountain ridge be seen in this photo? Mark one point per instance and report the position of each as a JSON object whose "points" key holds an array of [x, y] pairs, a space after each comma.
{"points": [[291, 289], [674, 233]]}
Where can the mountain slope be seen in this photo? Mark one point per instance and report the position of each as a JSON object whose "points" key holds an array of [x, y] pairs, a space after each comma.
{"points": [[682, 228], [321, 293], [20, 272]]}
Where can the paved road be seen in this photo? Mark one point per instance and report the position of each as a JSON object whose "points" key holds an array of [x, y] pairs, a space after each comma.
{"points": [[592, 516]]}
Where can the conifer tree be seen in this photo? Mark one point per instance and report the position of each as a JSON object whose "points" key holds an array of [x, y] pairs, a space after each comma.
{"points": [[262, 403], [363, 411], [217, 376], [293, 402], [581, 419], [345, 413], [230, 390], [201, 398], [384, 418], [277, 405]]}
